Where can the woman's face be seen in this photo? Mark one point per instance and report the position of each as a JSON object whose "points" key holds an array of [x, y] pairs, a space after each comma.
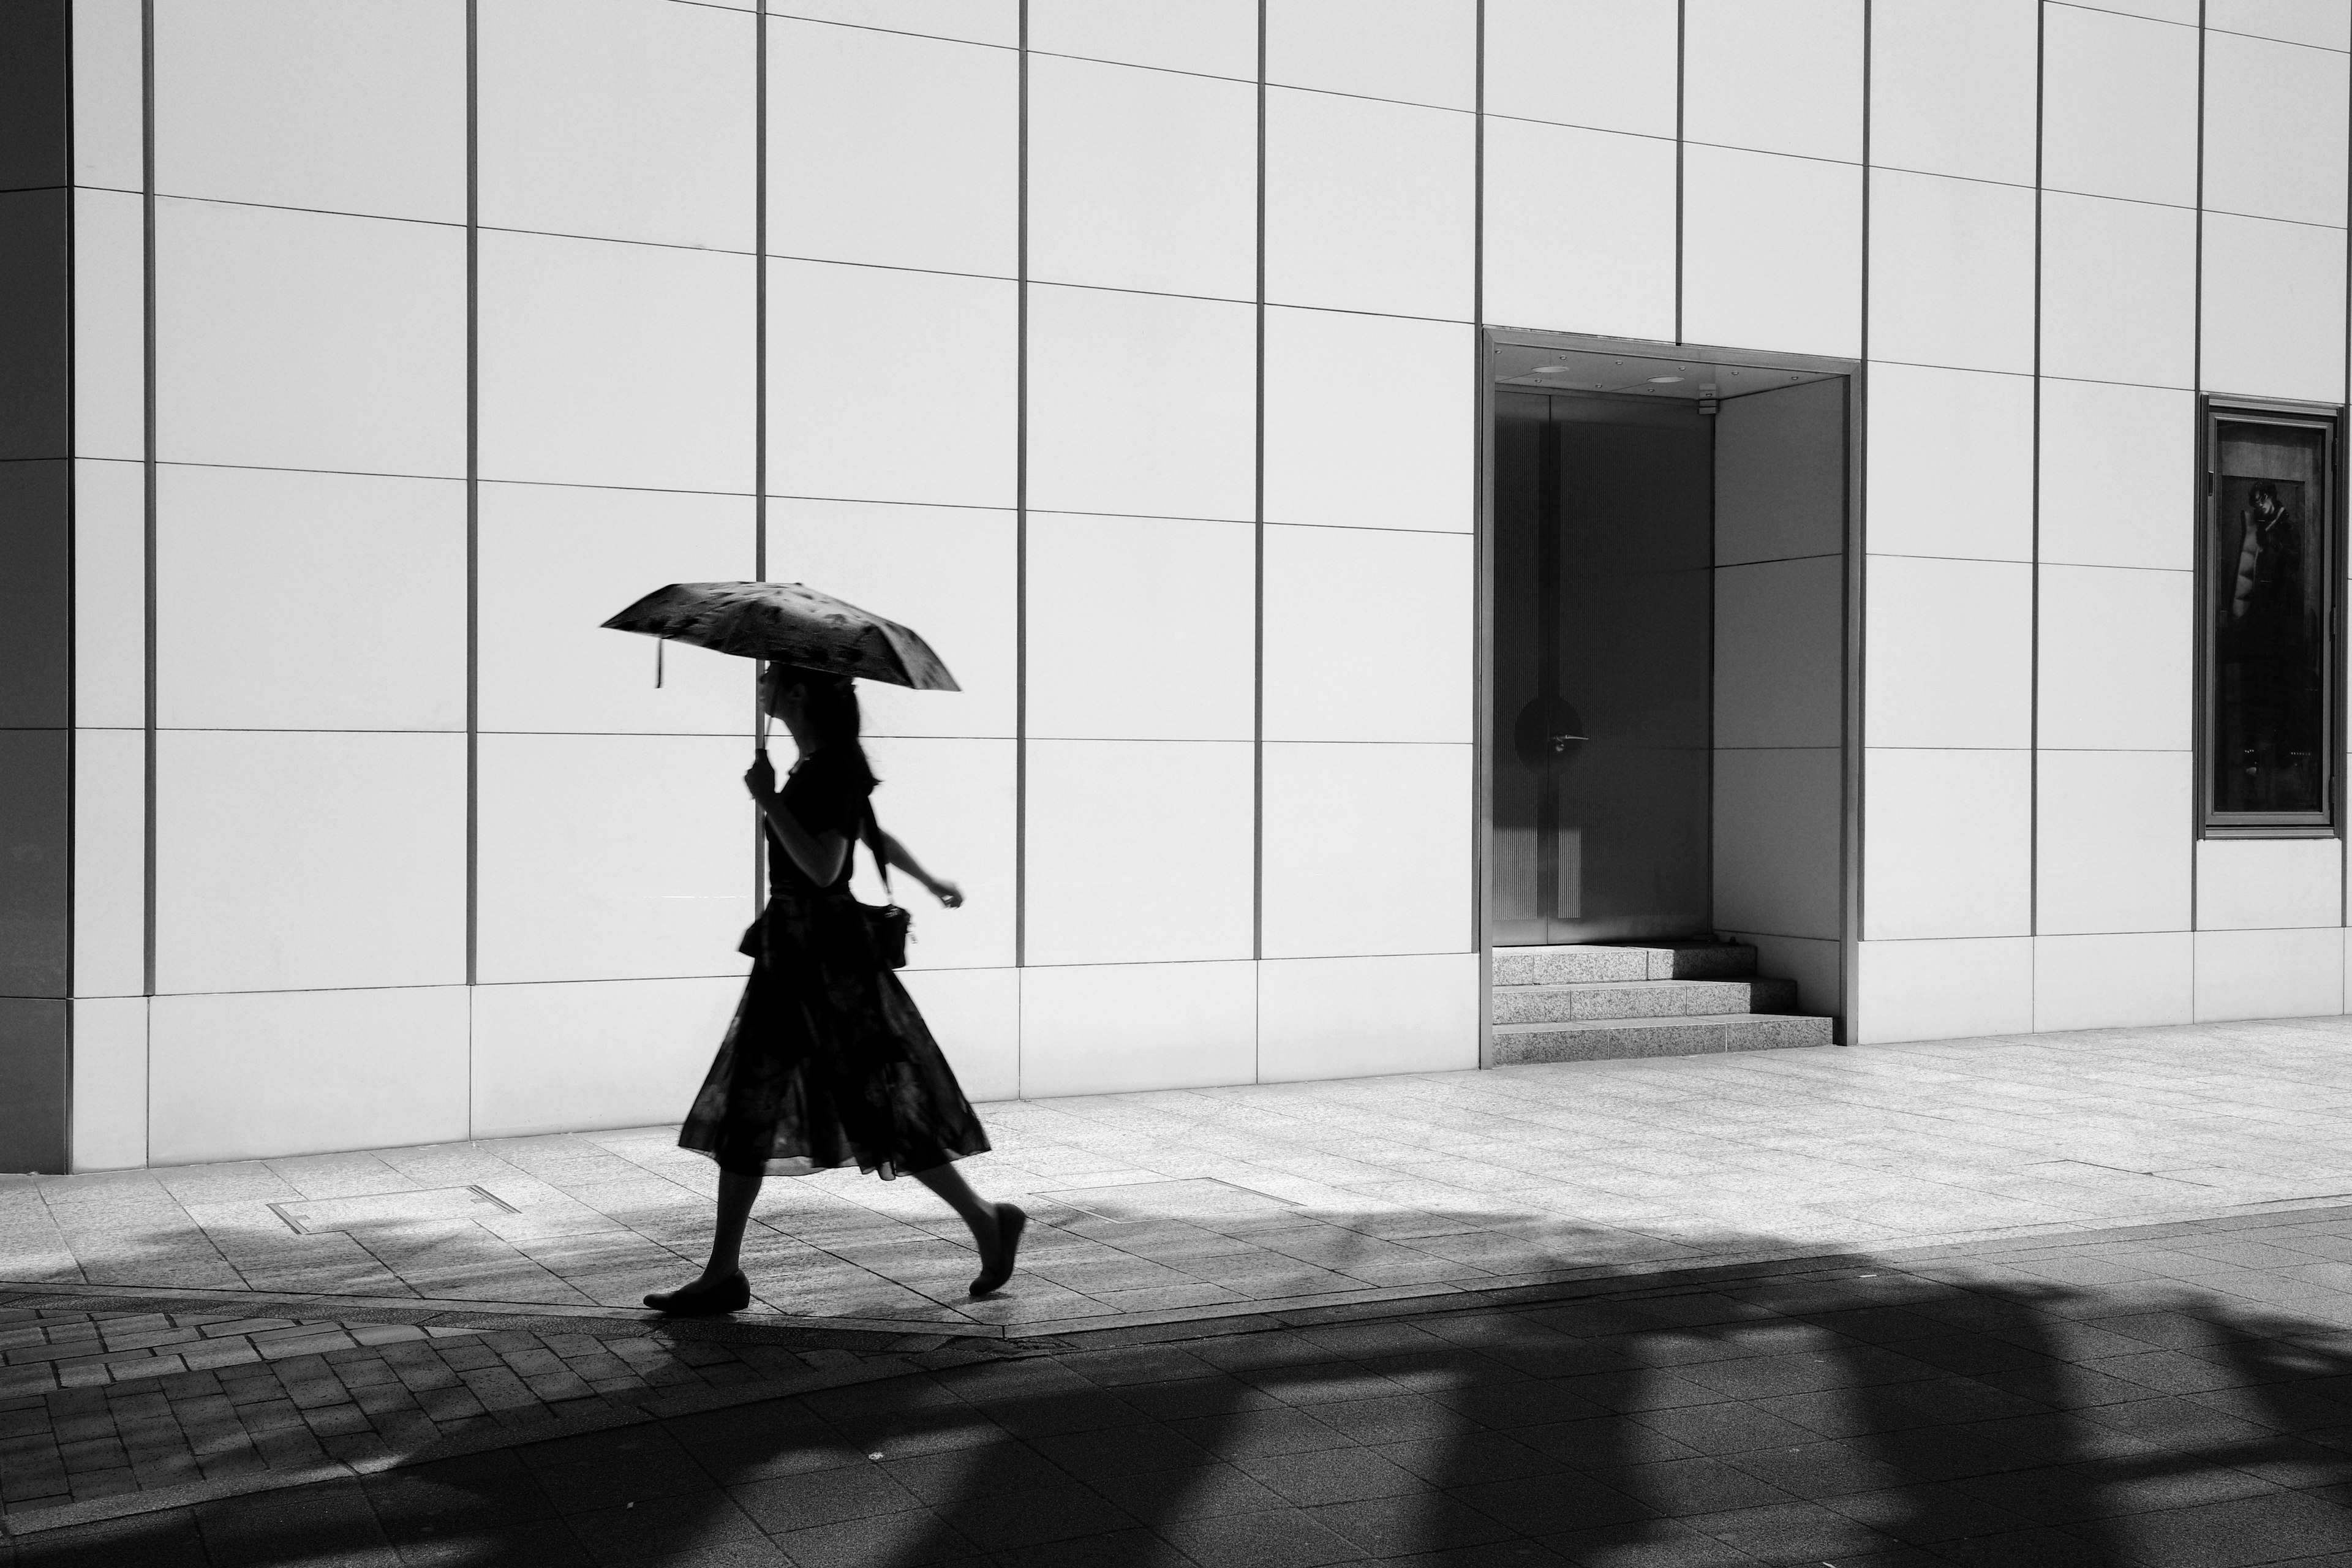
{"points": [[781, 701]]}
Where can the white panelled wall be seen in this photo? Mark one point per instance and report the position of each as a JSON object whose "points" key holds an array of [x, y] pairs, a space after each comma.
{"points": [[1139, 370]]}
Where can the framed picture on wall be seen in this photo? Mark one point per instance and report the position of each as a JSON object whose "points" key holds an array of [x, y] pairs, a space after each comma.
{"points": [[2268, 569]]}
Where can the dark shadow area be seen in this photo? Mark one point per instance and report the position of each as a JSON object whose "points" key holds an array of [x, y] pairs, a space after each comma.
{"points": [[1849, 1413]]}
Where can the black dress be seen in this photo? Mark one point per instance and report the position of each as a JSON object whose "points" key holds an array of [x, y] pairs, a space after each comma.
{"points": [[827, 1062]]}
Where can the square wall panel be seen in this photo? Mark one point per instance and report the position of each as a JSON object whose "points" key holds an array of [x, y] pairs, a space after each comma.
{"points": [[556, 562], [613, 857], [109, 1084], [1548, 188], [1950, 467], [109, 325], [1953, 88], [1368, 849], [109, 862], [2268, 974], [952, 805], [1415, 51], [611, 1053], [110, 625], [1178, 1026], [1355, 1018], [619, 119], [975, 1017], [2322, 24], [2118, 291], [2133, 981], [365, 580], [949, 572], [2125, 123], [891, 149], [289, 103], [1142, 628], [1139, 851], [1177, 437], [1207, 38], [1778, 816], [2273, 318], [994, 22], [1142, 179], [2246, 883], [2112, 841], [1369, 206], [2118, 475], [1942, 990], [1404, 458], [2117, 658], [1951, 271], [301, 340], [604, 363], [294, 860], [1609, 65], [1948, 844], [1370, 635], [2274, 117], [1771, 252], [110, 115], [848, 351], [1774, 76], [1948, 646], [305, 1072], [1780, 653]]}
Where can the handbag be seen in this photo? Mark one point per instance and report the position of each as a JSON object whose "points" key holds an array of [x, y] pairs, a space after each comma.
{"points": [[887, 927]]}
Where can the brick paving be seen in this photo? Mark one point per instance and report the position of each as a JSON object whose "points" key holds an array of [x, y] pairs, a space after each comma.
{"points": [[1166, 1206], [111, 1404], [2155, 1396]]}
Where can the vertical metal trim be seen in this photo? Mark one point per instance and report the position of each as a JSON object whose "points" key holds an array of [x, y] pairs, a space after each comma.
{"points": [[71, 176], [1021, 519], [1481, 545], [2201, 756], [758, 391], [472, 521], [147, 306], [2033, 569], [1855, 610], [1257, 568], [1682, 95]]}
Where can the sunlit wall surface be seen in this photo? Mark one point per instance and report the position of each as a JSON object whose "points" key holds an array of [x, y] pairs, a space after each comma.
{"points": [[1129, 350]]}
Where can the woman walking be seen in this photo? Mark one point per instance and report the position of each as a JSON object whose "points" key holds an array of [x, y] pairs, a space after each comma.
{"points": [[827, 1061]]}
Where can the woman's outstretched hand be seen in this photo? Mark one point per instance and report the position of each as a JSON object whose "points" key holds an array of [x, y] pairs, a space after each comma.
{"points": [[761, 777], [947, 893]]}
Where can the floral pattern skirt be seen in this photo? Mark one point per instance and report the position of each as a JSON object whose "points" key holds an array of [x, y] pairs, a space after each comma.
{"points": [[827, 1062]]}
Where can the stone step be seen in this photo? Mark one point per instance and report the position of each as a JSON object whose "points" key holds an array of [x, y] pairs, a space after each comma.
{"points": [[1574, 963], [1593, 1001], [1610, 1039]]}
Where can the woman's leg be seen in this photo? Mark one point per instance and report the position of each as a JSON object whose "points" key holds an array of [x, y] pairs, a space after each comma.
{"points": [[977, 1212], [737, 1190]]}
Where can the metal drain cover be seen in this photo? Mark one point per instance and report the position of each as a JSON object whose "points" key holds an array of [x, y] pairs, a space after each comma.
{"points": [[314, 1216]]}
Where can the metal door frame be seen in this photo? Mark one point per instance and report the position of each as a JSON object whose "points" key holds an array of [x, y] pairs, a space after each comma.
{"points": [[1481, 827]]}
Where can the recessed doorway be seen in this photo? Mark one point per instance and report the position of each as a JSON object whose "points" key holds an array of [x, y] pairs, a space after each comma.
{"points": [[1666, 652]]}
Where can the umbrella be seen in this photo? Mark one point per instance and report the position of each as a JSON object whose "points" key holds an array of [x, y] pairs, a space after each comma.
{"points": [[785, 622]]}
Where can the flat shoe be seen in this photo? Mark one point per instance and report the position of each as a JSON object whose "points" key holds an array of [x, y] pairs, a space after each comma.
{"points": [[1010, 1222], [729, 1295]]}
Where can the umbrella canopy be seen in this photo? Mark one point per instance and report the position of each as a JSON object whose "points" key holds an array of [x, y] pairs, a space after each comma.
{"points": [[785, 622]]}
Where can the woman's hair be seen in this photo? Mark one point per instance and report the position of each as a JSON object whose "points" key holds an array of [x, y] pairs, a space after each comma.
{"points": [[832, 699]]}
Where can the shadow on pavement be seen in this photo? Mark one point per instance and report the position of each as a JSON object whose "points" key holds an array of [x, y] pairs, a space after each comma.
{"points": [[1853, 1415]]}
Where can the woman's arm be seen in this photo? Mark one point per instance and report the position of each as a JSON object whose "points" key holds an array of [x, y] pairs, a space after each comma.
{"points": [[818, 855], [896, 854]]}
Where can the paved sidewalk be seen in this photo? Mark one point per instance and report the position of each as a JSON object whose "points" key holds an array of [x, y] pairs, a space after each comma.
{"points": [[1163, 1207], [2168, 1396]]}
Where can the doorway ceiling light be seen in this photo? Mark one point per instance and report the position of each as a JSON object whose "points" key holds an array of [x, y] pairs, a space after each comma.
{"points": [[1663, 380], [1553, 369]]}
